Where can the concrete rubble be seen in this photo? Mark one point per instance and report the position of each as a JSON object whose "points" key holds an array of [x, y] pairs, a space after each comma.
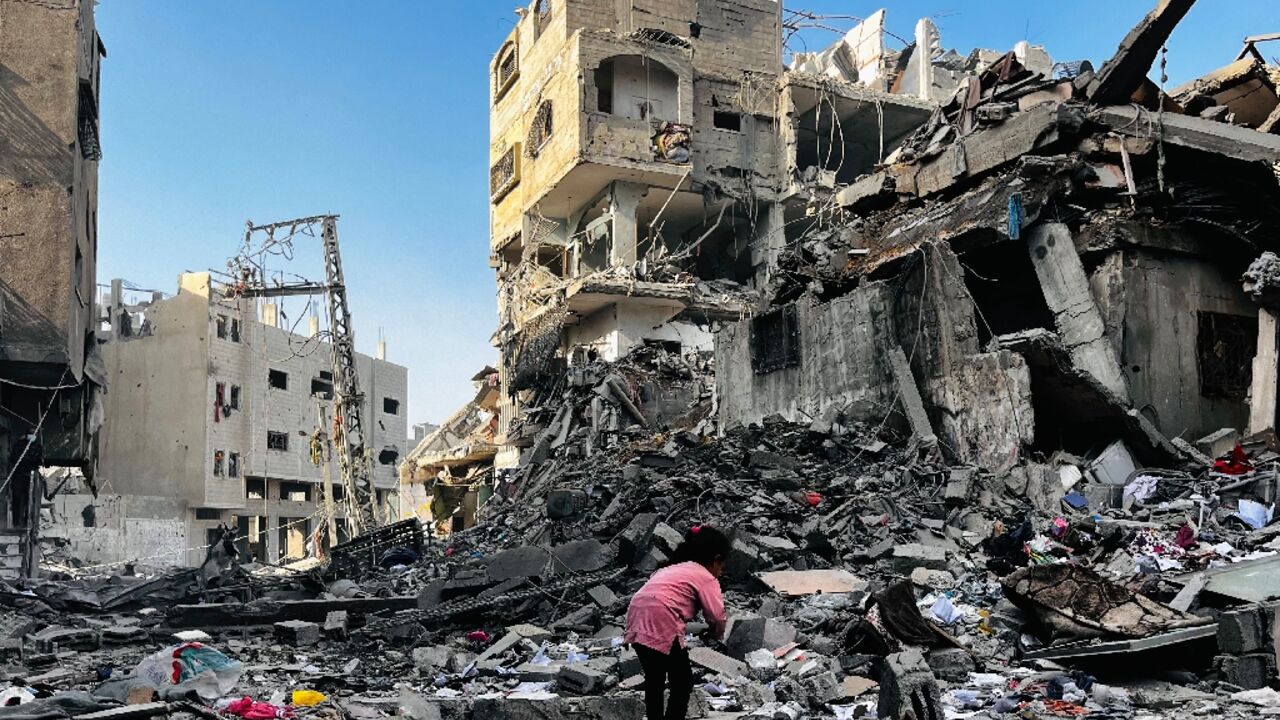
{"points": [[993, 431]]}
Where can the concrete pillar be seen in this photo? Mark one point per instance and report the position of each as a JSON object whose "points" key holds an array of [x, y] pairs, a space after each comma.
{"points": [[1266, 372], [1066, 291], [313, 326], [269, 314], [768, 244], [924, 48], [381, 352], [624, 201]]}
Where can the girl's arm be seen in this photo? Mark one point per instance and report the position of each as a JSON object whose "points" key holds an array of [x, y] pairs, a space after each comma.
{"points": [[712, 603]]}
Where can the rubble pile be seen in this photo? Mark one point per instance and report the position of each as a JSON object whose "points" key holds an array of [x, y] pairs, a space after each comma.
{"points": [[868, 577]]}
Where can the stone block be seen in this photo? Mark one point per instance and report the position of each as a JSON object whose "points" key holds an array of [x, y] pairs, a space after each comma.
{"points": [[580, 556], [710, 659], [1242, 631], [520, 562], [503, 644], [563, 504], [431, 658], [1252, 671], [634, 539], [913, 555], [907, 685], [762, 665], [530, 632], [666, 538], [629, 663], [581, 679], [952, 664], [754, 633], [742, 561], [528, 672], [822, 688], [602, 596], [336, 625], [298, 633]]}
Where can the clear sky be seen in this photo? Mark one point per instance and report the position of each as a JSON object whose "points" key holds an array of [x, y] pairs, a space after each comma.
{"points": [[218, 112]]}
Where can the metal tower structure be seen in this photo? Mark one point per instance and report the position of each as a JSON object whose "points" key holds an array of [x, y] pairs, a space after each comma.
{"points": [[348, 406]]}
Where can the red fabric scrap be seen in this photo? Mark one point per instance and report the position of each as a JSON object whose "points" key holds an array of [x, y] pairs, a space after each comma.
{"points": [[249, 709], [1236, 463]]}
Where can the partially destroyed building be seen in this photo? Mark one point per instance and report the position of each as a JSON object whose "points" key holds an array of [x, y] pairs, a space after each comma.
{"points": [[633, 165], [50, 376], [221, 415], [448, 475]]}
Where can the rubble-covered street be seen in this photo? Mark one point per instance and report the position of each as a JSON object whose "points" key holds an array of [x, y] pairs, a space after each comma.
{"points": [[971, 354]]}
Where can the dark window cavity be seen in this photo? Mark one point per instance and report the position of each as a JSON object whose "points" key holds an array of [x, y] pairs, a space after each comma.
{"points": [[219, 458], [233, 465], [727, 120], [390, 406], [222, 327], [235, 330], [278, 379], [1225, 345], [208, 514], [234, 400], [277, 440], [775, 340]]}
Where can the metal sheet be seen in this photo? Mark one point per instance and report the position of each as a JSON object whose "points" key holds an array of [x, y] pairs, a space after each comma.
{"points": [[1119, 647]]}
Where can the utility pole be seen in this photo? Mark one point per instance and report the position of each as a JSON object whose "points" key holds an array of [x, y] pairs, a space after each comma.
{"points": [[348, 403]]}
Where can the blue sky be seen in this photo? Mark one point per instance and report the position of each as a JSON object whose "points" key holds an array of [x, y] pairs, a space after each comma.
{"points": [[218, 112]]}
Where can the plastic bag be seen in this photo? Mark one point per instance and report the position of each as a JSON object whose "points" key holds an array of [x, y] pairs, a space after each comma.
{"points": [[307, 698], [191, 666]]}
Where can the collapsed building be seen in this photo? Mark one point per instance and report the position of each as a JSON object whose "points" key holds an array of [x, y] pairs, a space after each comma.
{"points": [[51, 377], [986, 402]]}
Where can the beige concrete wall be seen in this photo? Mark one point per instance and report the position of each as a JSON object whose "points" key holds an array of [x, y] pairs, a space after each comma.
{"points": [[153, 441], [47, 295]]}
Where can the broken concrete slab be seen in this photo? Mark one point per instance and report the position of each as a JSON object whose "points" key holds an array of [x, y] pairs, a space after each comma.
{"points": [[1197, 134], [798, 583]]}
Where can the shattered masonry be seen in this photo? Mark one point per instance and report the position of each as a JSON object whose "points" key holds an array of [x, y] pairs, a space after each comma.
{"points": [[974, 355]]}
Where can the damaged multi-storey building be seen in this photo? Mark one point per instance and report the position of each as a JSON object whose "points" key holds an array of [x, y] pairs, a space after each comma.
{"points": [[50, 374], [1009, 254], [223, 418], [633, 180]]}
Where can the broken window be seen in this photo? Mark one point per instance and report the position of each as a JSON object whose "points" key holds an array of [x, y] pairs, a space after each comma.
{"points": [[277, 440], [390, 406], [235, 330], [727, 120], [90, 146], [295, 492], [541, 14], [233, 465], [322, 387], [539, 130], [775, 340], [388, 456], [604, 87], [504, 175], [218, 460], [221, 324], [505, 69], [208, 514], [234, 400], [278, 379], [1226, 345], [637, 87], [255, 489]]}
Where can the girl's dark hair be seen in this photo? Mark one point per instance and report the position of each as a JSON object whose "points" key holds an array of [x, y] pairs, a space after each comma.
{"points": [[702, 544]]}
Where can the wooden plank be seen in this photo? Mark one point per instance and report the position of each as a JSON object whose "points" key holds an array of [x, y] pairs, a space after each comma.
{"points": [[797, 583]]}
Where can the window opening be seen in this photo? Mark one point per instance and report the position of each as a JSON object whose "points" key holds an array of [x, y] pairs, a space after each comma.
{"points": [[278, 379], [1226, 345], [727, 120], [277, 440], [775, 340]]}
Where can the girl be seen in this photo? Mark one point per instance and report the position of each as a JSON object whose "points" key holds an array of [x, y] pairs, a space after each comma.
{"points": [[658, 612]]}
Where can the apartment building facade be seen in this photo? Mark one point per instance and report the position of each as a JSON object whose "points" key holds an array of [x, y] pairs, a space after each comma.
{"points": [[221, 415], [634, 170], [50, 55]]}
